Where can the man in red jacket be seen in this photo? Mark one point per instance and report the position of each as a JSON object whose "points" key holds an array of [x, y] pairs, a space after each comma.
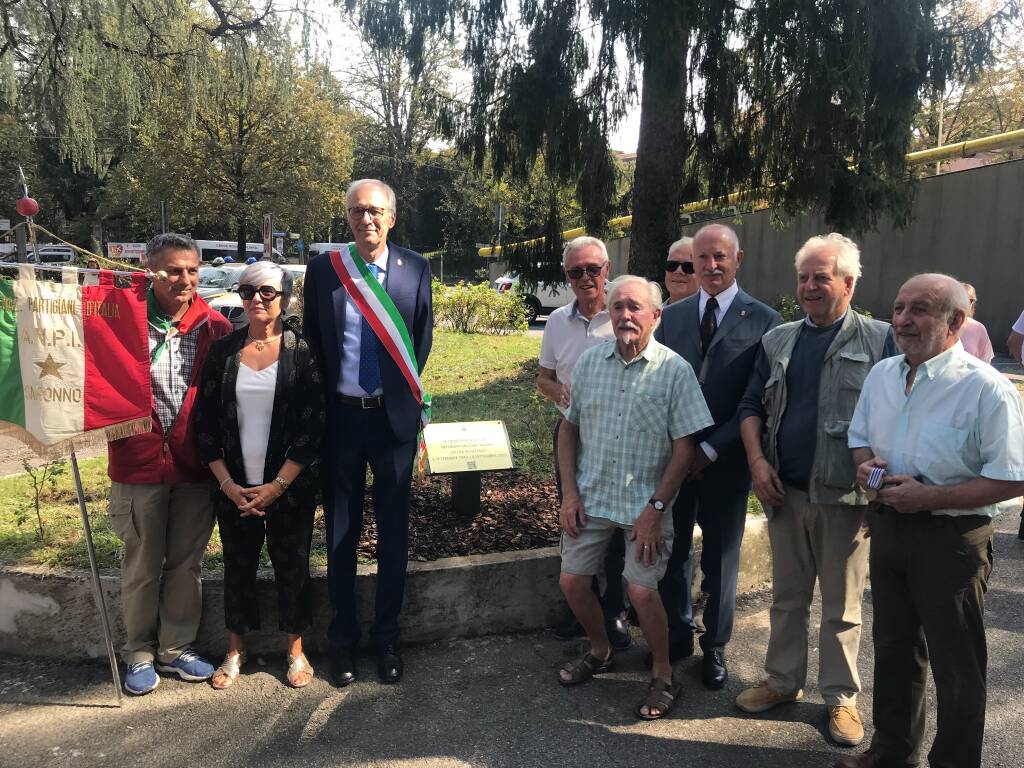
{"points": [[160, 501]]}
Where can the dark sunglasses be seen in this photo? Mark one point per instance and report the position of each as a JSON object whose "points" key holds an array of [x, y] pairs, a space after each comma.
{"points": [[672, 266], [266, 292], [577, 272]]}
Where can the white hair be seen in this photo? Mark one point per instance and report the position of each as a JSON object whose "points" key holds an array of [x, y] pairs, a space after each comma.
{"points": [[846, 252], [389, 193], [265, 273], [653, 290], [721, 229], [680, 243], [583, 241]]}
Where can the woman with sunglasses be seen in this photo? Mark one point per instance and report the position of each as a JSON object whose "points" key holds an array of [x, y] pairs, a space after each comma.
{"points": [[680, 279], [260, 420]]}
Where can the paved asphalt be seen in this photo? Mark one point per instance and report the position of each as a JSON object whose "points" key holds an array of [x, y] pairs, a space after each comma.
{"points": [[484, 702]]}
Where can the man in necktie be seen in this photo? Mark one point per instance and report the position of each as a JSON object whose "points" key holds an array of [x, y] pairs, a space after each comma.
{"points": [[718, 331], [373, 419]]}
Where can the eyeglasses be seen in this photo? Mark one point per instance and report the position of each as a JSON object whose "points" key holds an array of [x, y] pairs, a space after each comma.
{"points": [[592, 270], [672, 266], [358, 211], [266, 292]]}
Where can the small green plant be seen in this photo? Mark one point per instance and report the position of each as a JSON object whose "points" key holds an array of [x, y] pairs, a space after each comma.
{"points": [[44, 481], [788, 307], [467, 308]]}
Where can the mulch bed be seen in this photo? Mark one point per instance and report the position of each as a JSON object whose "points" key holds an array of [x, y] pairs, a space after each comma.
{"points": [[516, 512]]}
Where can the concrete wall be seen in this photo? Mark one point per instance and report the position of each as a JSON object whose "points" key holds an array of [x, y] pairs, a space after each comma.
{"points": [[52, 613]]}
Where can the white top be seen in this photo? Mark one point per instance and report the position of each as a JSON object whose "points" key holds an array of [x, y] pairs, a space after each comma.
{"points": [[724, 299], [974, 337], [961, 420], [567, 335], [254, 393], [348, 381], [1019, 325]]}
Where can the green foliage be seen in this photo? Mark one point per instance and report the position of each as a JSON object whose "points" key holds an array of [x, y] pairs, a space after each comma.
{"points": [[44, 479], [806, 104], [787, 306], [467, 308]]}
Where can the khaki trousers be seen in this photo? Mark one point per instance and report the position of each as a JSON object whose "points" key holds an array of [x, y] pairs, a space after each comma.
{"points": [[165, 529], [823, 542]]}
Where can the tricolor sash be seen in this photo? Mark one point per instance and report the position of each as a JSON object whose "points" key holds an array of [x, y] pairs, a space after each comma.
{"points": [[384, 318]]}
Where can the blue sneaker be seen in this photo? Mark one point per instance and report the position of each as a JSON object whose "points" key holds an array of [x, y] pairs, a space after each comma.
{"points": [[188, 666], [140, 678]]}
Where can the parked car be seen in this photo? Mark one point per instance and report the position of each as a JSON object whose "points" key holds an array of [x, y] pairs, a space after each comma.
{"points": [[214, 281], [48, 254], [545, 298]]}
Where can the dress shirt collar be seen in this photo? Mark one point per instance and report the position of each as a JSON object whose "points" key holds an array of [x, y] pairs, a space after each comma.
{"points": [[724, 299], [808, 321], [933, 366], [381, 261], [647, 353], [575, 313]]}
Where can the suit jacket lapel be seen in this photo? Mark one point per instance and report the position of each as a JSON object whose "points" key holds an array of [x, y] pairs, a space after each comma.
{"points": [[691, 327], [738, 312]]}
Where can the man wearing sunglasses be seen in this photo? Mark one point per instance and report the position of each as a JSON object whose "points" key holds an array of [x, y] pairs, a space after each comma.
{"points": [[680, 275], [569, 332], [718, 331], [373, 417]]}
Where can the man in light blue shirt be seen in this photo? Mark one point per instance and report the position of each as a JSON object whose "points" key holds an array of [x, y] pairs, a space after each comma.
{"points": [[624, 448], [948, 432]]}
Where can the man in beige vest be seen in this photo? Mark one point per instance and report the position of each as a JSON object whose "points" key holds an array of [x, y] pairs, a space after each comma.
{"points": [[793, 420]]}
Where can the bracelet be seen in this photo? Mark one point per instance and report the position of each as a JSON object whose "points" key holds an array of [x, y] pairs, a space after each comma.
{"points": [[282, 482], [224, 482]]}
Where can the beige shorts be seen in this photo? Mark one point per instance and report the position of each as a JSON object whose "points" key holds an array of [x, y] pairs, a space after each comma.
{"points": [[584, 554]]}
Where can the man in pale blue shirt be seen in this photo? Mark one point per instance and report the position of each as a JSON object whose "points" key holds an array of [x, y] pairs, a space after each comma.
{"points": [[948, 432]]}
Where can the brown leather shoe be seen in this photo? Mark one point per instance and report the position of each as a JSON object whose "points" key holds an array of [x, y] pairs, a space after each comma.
{"points": [[864, 760]]}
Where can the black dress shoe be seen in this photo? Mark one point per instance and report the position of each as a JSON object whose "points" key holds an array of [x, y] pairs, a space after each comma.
{"points": [[618, 633], [570, 629], [343, 666], [713, 671], [389, 664]]}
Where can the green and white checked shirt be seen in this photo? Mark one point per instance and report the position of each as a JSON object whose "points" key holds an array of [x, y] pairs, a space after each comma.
{"points": [[628, 415]]}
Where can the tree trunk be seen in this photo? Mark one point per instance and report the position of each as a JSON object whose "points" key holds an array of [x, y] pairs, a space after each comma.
{"points": [[661, 150], [242, 240]]}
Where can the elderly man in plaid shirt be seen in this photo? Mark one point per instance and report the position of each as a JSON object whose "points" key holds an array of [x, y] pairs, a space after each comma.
{"points": [[623, 448]]}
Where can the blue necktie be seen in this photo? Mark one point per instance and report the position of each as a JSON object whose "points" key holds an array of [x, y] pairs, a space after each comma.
{"points": [[369, 346]]}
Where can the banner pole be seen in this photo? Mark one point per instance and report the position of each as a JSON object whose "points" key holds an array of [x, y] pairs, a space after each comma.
{"points": [[101, 603]]}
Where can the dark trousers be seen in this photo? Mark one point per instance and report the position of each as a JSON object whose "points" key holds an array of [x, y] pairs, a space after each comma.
{"points": [[288, 533], [613, 601], [718, 502], [358, 438], [929, 574]]}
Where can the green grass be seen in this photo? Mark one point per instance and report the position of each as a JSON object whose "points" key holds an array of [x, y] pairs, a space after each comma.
{"points": [[472, 377]]}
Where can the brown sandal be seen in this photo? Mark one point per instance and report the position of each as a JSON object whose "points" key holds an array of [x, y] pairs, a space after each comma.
{"points": [[661, 695], [585, 668]]}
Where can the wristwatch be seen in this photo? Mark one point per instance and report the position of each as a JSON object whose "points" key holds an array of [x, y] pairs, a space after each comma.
{"points": [[658, 504]]}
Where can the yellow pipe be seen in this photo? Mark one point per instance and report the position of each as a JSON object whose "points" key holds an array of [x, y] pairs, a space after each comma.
{"points": [[947, 152]]}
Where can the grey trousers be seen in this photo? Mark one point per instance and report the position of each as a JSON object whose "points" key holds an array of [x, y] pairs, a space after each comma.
{"points": [[823, 543], [165, 529]]}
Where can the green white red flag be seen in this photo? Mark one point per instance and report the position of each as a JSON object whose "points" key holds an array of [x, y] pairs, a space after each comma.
{"points": [[74, 360]]}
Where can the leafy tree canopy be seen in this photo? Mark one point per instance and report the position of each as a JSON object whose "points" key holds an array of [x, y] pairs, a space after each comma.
{"points": [[807, 103]]}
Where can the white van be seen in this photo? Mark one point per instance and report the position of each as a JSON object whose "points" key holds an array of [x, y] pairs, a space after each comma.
{"points": [[211, 249]]}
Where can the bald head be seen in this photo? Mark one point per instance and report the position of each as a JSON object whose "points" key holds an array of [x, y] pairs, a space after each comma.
{"points": [[928, 314]]}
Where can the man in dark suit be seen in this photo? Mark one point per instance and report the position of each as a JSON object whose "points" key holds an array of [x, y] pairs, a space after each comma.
{"points": [[718, 331], [373, 418]]}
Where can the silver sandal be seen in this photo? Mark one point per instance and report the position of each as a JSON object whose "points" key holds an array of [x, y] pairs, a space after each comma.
{"points": [[230, 669], [296, 666]]}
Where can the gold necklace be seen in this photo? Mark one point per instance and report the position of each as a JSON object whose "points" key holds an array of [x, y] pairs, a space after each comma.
{"points": [[261, 343]]}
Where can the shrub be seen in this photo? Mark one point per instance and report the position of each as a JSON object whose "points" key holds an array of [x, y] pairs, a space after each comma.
{"points": [[478, 309]]}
